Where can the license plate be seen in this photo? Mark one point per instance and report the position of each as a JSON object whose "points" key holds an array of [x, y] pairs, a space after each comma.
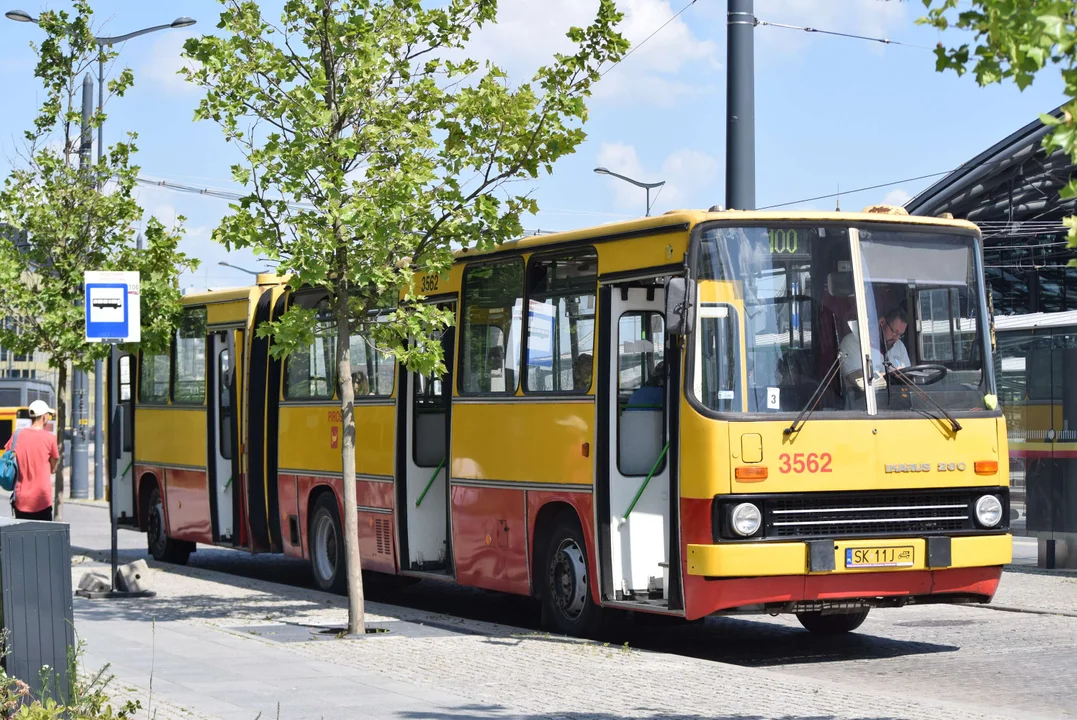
{"points": [[870, 557]]}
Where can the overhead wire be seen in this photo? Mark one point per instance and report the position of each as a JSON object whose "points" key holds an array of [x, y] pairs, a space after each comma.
{"points": [[885, 41], [643, 42]]}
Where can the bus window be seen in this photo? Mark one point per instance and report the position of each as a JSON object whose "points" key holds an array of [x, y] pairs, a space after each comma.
{"points": [[793, 287], [125, 378], [224, 406], [641, 341], [154, 371], [561, 323], [310, 372], [717, 365], [372, 370], [493, 305], [905, 274], [190, 368]]}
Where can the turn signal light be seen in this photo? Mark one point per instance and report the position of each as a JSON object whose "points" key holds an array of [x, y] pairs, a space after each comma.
{"points": [[987, 467], [753, 473]]}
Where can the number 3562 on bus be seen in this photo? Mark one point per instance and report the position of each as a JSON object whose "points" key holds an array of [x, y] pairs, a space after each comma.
{"points": [[804, 462]]}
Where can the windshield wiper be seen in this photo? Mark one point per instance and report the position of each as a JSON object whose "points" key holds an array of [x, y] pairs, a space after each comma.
{"points": [[924, 394], [816, 396]]}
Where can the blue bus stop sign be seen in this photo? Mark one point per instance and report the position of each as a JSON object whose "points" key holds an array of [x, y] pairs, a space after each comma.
{"points": [[112, 307]]}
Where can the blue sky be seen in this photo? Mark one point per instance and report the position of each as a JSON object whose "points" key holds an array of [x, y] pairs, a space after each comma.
{"points": [[831, 113]]}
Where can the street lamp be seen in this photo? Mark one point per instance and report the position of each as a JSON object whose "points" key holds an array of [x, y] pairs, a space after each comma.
{"points": [[102, 42], [237, 267], [646, 186]]}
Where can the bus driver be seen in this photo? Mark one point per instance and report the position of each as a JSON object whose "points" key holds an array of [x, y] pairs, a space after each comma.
{"points": [[892, 329]]}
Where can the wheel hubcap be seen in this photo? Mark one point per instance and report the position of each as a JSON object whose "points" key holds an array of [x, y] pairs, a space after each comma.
{"points": [[568, 579], [325, 547]]}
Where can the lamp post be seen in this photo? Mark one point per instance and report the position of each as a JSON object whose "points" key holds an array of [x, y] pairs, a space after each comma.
{"points": [[237, 267], [99, 379], [646, 186]]}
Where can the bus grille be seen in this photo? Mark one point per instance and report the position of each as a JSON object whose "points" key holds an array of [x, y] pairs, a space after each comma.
{"points": [[882, 513]]}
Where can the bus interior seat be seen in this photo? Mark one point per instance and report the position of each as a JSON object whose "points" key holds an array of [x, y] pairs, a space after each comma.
{"points": [[838, 307]]}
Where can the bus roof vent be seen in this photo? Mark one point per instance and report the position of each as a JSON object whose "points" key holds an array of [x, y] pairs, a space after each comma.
{"points": [[716, 208], [268, 279], [883, 209]]}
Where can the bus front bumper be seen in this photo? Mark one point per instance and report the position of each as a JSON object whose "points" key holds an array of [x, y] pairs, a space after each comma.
{"points": [[796, 558], [768, 575]]}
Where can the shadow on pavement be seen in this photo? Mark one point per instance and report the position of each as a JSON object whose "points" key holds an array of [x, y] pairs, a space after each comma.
{"points": [[496, 711], [736, 640]]}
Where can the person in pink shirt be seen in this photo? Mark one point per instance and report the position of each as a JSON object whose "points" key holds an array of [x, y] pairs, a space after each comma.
{"points": [[37, 456]]}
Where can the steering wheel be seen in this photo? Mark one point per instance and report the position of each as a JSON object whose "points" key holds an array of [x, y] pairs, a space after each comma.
{"points": [[921, 374]]}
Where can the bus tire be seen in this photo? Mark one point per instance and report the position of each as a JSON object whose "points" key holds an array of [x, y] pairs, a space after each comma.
{"points": [[327, 546], [162, 547], [821, 624], [564, 575]]}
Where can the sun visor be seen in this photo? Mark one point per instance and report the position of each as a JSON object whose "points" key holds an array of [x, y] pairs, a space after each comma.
{"points": [[917, 263]]}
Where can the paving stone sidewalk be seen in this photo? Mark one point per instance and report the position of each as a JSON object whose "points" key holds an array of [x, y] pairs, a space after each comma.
{"points": [[219, 646]]}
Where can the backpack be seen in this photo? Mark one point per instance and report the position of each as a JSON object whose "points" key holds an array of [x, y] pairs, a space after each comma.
{"points": [[9, 468]]}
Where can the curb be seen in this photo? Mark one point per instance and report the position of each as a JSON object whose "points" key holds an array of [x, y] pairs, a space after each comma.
{"points": [[102, 504]]}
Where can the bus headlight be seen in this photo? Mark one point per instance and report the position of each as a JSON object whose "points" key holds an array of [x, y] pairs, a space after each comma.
{"points": [[988, 511], [745, 519]]}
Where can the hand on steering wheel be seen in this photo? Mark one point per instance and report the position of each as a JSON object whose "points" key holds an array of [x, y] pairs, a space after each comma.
{"points": [[925, 374]]}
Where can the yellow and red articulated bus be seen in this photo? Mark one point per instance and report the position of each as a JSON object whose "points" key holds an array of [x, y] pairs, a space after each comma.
{"points": [[668, 415]]}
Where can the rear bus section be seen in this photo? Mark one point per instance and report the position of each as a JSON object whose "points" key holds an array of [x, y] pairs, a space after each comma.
{"points": [[807, 489]]}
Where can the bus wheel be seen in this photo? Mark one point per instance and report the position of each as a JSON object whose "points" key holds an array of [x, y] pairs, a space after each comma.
{"points": [[327, 545], [821, 624], [567, 607], [162, 547]]}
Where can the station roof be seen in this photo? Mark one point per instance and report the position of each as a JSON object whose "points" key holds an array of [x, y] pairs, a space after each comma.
{"points": [[1013, 180]]}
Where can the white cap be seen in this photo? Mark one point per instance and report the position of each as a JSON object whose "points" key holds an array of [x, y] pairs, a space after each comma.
{"points": [[39, 408]]}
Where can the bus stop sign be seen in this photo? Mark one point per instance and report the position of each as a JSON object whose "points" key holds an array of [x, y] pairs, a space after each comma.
{"points": [[112, 307]]}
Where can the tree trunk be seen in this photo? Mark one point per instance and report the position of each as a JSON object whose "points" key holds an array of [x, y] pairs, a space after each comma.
{"points": [[61, 422], [356, 613]]}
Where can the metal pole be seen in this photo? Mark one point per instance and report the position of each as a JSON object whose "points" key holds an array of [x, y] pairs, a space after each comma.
{"points": [[80, 461], [740, 106], [648, 202], [99, 379]]}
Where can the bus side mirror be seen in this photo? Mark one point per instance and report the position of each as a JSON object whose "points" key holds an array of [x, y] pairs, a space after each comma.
{"points": [[680, 305]]}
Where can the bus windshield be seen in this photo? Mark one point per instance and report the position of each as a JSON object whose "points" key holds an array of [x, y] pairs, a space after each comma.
{"points": [[779, 318]]}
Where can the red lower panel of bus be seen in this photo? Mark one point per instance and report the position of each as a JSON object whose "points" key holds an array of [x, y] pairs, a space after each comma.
{"points": [[704, 597], [186, 501], [492, 534], [489, 536], [376, 529]]}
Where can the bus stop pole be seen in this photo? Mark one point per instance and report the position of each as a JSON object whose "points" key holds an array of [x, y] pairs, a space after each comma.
{"points": [[740, 106], [99, 432]]}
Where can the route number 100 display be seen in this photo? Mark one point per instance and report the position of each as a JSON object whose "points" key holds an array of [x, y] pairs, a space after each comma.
{"points": [[783, 242]]}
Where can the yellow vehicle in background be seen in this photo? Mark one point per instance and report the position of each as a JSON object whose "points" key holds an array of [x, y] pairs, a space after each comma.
{"points": [[668, 415]]}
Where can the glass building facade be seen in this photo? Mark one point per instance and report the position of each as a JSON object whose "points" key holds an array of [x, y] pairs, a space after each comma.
{"points": [[1011, 191]]}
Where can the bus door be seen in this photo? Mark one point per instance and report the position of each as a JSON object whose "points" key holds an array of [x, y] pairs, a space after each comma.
{"points": [[223, 432], [639, 486], [424, 499], [121, 436]]}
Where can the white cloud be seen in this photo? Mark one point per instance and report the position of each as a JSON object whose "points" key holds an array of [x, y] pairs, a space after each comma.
{"points": [[873, 18], [529, 33], [690, 178], [161, 68], [898, 196]]}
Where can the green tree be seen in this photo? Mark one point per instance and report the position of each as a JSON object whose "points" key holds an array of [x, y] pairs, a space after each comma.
{"points": [[1015, 40], [372, 148], [67, 214]]}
